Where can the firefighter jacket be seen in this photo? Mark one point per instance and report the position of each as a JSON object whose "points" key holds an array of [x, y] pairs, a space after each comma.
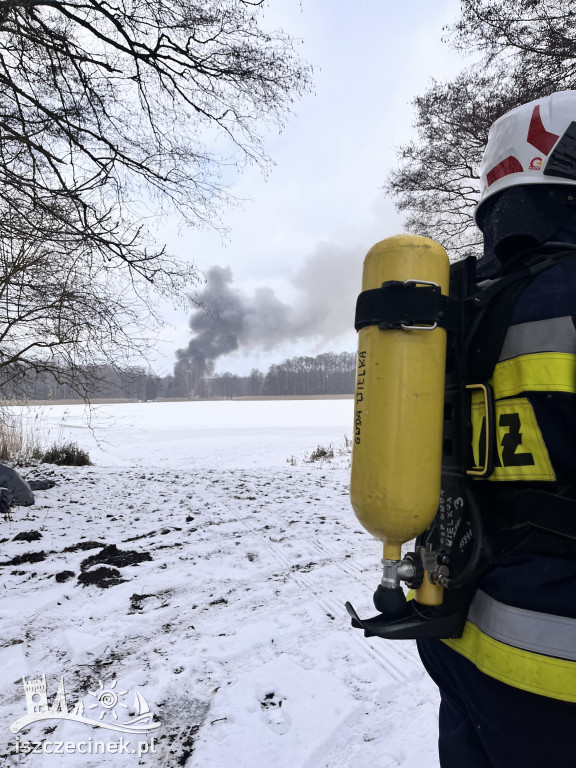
{"points": [[521, 625]]}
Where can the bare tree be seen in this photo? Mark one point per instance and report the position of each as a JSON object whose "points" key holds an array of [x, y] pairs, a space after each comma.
{"points": [[62, 312], [110, 113], [540, 35], [528, 50]]}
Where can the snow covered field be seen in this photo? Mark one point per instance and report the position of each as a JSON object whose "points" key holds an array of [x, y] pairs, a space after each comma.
{"points": [[234, 631]]}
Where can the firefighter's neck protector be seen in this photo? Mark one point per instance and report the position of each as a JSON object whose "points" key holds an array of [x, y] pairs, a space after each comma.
{"points": [[521, 218]]}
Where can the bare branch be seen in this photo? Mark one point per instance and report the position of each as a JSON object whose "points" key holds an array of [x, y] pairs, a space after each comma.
{"points": [[529, 49], [106, 106]]}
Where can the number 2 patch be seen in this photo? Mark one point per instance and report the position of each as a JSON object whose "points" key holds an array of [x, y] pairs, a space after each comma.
{"points": [[520, 450]]}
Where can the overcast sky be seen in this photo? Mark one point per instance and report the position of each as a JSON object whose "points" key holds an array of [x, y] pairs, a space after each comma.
{"points": [[295, 246]]}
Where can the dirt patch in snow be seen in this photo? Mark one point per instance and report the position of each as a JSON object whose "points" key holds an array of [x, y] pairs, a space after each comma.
{"points": [[111, 555]]}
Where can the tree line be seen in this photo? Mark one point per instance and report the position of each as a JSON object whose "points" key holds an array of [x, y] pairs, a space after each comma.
{"points": [[329, 373]]}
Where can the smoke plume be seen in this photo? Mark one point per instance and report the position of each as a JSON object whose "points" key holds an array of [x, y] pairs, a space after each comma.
{"points": [[228, 319]]}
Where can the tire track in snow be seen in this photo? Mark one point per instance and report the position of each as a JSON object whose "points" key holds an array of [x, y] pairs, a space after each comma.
{"points": [[331, 553], [390, 658]]}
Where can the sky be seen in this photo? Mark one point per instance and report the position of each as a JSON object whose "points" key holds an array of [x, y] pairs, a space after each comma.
{"points": [[294, 246]]}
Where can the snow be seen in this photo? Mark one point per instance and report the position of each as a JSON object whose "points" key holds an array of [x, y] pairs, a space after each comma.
{"points": [[235, 632]]}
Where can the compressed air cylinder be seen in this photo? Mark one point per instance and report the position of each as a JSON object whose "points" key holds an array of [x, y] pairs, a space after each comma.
{"points": [[398, 414]]}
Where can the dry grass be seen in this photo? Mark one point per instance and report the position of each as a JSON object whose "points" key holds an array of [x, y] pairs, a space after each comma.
{"points": [[321, 454], [20, 439], [24, 442], [66, 454]]}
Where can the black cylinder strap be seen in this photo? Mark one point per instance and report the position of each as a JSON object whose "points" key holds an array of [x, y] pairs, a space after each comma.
{"points": [[406, 304]]}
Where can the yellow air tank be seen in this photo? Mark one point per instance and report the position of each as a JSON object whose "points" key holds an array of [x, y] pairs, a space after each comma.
{"points": [[397, 448]]}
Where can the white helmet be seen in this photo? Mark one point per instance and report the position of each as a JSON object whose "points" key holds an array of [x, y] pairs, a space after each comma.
{"points": [[532, 144]]}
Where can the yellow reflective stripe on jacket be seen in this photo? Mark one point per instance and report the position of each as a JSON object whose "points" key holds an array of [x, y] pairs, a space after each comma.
{"points": [[555, 678], [521, 453], [538, 372], [491, 638]]}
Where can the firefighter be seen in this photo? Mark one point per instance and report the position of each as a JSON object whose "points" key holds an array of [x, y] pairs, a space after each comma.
{"points": [[508, 685]]}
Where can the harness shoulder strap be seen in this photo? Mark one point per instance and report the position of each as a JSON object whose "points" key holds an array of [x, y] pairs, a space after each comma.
{"points": [[493, 305]]}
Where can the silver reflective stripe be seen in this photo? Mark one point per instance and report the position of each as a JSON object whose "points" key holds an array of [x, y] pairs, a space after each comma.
{"points": [[528, 630], [557, 334]]}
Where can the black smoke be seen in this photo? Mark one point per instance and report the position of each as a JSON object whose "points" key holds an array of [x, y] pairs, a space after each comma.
{"points": [[228, 319]]}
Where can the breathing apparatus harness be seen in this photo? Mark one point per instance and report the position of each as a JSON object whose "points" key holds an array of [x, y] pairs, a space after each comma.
{"points": [[461, 543]]}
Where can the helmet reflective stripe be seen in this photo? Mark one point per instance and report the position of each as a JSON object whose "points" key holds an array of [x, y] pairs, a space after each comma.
{"points": [[521, 144], [538, 136], [509, 165]]}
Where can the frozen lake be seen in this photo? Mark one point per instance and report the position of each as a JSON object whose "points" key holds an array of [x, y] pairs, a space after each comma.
{"points": [[232, 433]]}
